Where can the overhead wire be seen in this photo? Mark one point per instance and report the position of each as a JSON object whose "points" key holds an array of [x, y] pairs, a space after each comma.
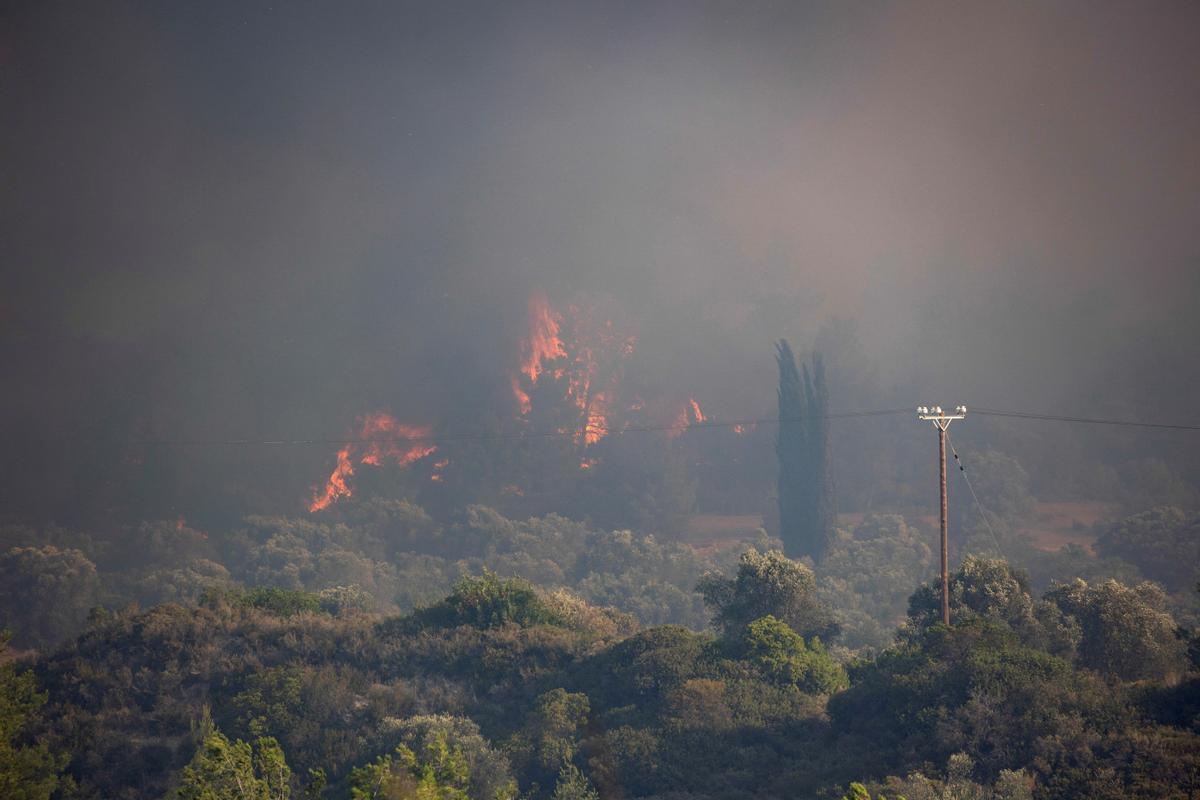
{"points": [[518, 435], [991, 412], [707, 424], [982, 511]]}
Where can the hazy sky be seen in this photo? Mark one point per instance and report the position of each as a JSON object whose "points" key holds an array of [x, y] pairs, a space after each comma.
{"points": [[247, 218]]}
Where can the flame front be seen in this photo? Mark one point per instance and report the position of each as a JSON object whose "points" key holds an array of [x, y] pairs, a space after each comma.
{"points": [[381, 438], [542, 345], [689, 415], [337, 486], [596, 426], [436, 475], [586, 359], [387, 439]]}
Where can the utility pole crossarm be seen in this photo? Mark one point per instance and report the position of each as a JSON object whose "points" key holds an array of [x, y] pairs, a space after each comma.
{"points": [[941, 420]]}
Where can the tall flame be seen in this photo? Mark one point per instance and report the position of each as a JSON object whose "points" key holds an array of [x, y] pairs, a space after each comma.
{"points": [[523, 401], [688, 415], [381, 438], [596, 426], [587, 361], [543, 343], [337, 486]]}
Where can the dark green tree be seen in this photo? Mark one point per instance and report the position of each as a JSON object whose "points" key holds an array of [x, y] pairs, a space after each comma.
{"points": [[225, 770], [767, 583], [573, 785], [806, 502], [45, 594], [782, 656], [30, 771], [1127, 633]]}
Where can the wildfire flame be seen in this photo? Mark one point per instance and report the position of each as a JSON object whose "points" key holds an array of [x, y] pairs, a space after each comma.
{"points": [[596, 427], [688, 415], [381, 438], [543, 343], [587, 360], [337, 486], [523, 401], [436, 475]]}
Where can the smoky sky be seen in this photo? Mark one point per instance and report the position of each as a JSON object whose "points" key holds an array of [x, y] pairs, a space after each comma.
{"points": [[248, 219]]}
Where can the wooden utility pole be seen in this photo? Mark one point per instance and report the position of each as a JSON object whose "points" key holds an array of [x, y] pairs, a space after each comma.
{"points": [[942, 421]]}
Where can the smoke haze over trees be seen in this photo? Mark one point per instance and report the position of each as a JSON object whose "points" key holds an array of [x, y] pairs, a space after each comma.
{"points": [[390, 408], [266, 227]]}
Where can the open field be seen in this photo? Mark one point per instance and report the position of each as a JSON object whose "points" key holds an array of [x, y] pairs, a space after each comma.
{"points": [[1056, 525]]}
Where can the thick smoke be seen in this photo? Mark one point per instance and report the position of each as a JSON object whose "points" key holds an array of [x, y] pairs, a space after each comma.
{"points": [[255, 221]]}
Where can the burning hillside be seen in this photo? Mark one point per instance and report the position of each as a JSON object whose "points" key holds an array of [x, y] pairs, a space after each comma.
{"points": [[584, 368], [566, 381], [381, 439]]}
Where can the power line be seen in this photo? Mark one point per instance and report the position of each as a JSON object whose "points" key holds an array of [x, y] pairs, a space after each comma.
{"points": [[982, 511], [991, 412], [525, 435], [516, 436]]}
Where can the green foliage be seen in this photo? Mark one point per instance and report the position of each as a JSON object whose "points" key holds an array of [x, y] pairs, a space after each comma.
{"points": [[584, 703], [991, 590], [276, 601], [1164, 543], [45, 593], [957, 785], [432, 737], [28, 771], [572, 784], [1126, 633], [439, 774], [806, 509], [971, 687], [549, 739], [768, 584], [316, 712], [1003, 487], [867, 577], [490, 602], [783, 657], [185, 583], [225, 770]]}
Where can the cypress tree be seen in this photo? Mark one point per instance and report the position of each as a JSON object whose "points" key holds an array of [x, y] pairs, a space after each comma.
{"points": [[805, 489]]}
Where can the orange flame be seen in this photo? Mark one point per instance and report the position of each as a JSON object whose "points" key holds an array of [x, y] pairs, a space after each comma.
{"points": [[389, 439], [523, 401], [436, 475], [381, 438], [338, 484], [542, 345], [688, 415], [596, 426], [587, 360]]}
